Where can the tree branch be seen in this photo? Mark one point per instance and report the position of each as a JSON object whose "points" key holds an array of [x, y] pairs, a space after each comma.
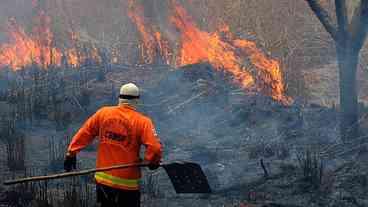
{"points": [[359, 25], [342, 18], [323, 17]]}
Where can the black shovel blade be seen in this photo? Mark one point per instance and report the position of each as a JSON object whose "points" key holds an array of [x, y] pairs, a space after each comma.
{"points": [[187, 177]]}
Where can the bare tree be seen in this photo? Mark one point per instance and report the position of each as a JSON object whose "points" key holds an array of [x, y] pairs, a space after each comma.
{"points": [[349, 38]]}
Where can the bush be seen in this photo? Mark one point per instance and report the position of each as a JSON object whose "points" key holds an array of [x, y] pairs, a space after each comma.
{"points": [[312, 170], [150, 185], [16, 152], [57, 153]]}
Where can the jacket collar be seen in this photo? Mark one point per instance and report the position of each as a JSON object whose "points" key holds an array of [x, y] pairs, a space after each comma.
{"points": [[127, 106]]}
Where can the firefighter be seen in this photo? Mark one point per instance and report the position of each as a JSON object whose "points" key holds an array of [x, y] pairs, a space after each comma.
{"points": [[121, 130]]}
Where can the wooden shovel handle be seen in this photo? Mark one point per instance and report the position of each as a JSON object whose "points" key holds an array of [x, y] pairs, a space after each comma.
{"points": [[77, 173]]}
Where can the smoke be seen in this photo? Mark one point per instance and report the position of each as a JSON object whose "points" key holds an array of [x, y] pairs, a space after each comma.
{"points": [[105, 23], [202, 116], [19, 9], [199, 112]]}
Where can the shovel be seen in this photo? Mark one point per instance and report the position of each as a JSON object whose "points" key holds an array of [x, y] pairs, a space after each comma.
{"points": [[186, 177]]}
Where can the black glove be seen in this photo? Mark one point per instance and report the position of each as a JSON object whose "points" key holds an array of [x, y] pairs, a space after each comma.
{"points": [[153, 166], [70, 162]]}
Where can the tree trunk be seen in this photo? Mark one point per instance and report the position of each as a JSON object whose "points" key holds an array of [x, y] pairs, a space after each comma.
{"points": [[348, 61]]}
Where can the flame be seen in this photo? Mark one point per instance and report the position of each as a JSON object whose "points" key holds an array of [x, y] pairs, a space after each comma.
{"points": [[37, 48], [225, 52], [163, 47], [146, 36], [221, 49], [136, 15], [154, 44], [269, 72], [25, 50], [199, 46], [72, 58]]}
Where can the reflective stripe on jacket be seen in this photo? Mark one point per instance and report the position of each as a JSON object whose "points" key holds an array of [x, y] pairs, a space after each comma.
{"points": [[121, 131], [116, 182]]}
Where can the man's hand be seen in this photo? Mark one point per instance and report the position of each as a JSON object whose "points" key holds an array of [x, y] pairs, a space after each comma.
{"points": [[153, 166], [70, 162]]}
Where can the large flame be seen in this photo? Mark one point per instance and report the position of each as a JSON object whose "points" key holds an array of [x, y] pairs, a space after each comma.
{"points": [[221, 49], [200, 46], [225, 52], [38, 47], [25, 50]]}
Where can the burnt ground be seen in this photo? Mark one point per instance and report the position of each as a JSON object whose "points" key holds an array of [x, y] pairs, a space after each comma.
{"points": [[202, 116]]}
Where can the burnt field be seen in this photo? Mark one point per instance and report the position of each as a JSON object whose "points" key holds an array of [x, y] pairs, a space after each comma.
{"points": [[200, 116]]}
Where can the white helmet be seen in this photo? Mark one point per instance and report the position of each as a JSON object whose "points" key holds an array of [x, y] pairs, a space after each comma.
{"points": [[129, 91]]}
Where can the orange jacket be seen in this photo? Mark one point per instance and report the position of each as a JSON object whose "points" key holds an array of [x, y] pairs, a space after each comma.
{"points": [[121, 131]]}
